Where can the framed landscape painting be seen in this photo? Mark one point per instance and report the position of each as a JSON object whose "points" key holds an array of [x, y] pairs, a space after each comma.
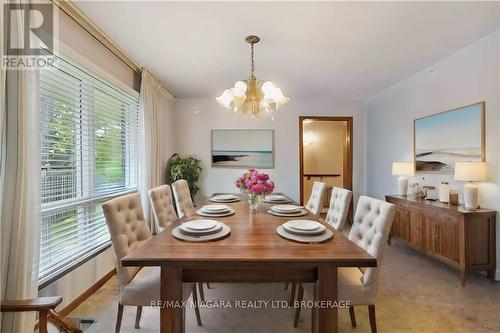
{"points": [[242, 148], [453, 136]]}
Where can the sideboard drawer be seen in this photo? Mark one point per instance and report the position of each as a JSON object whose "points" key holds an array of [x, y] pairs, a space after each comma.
{"points": [[422, 210], [446, 216]]}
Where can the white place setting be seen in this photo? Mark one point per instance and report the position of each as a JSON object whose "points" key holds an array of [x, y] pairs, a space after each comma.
{"points": [[304, 231], [215, 211], [201, 230], [287, 210], [276, 199], [224, 198]]}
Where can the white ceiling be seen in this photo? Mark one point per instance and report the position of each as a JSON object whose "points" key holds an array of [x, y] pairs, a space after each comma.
{"points": [[348, 50]]}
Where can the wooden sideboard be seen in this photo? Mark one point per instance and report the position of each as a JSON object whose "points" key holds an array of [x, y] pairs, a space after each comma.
{"points": [[460, 238]]}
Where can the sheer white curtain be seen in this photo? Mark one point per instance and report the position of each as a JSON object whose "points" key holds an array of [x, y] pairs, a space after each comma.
{"points": [[157, 138], [19, 191]]}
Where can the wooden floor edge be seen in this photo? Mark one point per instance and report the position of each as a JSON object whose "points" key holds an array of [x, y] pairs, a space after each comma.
{"points": [[86, 294]]}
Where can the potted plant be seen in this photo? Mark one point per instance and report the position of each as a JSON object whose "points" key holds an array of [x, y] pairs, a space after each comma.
{"points": [[187, 168]]}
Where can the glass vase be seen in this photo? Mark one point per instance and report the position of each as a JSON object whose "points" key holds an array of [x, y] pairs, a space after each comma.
{"points": [[253, 201]]}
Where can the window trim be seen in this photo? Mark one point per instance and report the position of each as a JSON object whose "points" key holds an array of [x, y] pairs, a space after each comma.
{"points": [[75, 56], [51, 278]]}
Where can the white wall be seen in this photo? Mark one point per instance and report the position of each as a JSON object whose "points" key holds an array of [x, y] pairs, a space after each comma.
{"points": [[467, 76], [196, 117]]}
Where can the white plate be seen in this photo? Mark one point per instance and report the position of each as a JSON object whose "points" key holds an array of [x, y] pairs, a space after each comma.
{"points": [[224, 197], [200, 225], [323, 237], [225, 230], [215, 208], [285, 208], [318, 231], [303, 225], [275, 198], [213, 230], [224, 201], [217, 214], [301, 212], [275, 202]]}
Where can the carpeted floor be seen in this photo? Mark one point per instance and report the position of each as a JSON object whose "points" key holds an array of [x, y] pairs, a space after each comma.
{"points": [[416, 294]]}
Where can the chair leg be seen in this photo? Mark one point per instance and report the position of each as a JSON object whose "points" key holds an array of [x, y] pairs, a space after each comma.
{"points": [[373, 322], [300, 297], [292, 294], [202, 292], [119, 318], [138, 317], [196, 305], [352, 315], [286, 285]]}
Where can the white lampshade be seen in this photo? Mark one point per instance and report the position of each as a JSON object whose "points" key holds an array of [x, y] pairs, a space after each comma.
{"points": [[403, 169], [470, 171]]}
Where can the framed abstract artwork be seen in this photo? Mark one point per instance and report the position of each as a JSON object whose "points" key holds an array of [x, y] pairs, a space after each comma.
{"points": [[243, 148], [452, 136]]}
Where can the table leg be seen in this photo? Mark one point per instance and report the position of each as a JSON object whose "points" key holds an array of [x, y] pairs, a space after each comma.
{"points": [[171, 313], [327, 292]]}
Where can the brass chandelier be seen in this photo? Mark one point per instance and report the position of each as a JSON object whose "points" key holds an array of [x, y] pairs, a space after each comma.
{"points": [[251, 97]]}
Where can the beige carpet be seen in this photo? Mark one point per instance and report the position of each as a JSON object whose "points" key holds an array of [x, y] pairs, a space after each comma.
{"points": [[416, 294]]}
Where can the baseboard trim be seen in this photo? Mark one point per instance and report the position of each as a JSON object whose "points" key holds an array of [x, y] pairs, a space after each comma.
{"points": [[86, 294]]}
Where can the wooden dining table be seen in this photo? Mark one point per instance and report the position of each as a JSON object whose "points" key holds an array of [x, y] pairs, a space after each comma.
{"points": [[252, 252]]}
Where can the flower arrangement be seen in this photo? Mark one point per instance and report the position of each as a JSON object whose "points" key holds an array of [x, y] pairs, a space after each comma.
{"points": [[255, 184]]}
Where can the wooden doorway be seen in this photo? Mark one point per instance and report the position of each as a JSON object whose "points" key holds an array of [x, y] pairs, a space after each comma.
{"points": [[325, 154]]}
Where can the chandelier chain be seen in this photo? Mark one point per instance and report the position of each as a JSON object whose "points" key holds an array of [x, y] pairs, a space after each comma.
{"points": [[253, 65]]}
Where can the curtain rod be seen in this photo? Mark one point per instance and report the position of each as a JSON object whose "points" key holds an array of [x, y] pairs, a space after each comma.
{"points": [[73, 11]]}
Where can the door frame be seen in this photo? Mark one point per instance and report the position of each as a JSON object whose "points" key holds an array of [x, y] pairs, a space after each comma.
{"points": [[348, 156]]}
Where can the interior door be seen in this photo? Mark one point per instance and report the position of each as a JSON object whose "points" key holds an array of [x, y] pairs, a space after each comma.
{"points": [[325, 154]]}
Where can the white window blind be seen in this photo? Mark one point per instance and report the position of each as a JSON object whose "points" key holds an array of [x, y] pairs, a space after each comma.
{"points": [[89, 142]]}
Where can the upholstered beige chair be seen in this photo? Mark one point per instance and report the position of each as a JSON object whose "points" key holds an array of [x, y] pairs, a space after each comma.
{"points": [[315, 202], [182, 196], [340, 200], [163, 208], [370, 231], [164, 213], [128, 230]]}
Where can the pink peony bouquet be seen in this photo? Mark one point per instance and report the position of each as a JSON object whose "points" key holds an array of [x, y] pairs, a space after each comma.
{"points": [[254, 183]]}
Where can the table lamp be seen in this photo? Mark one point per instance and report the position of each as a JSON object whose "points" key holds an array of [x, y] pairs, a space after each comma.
{"points": [[470, 172], [403, 169]]}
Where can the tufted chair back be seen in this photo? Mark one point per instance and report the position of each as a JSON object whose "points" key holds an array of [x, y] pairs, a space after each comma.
{"points": [[163, 209], [370, 230], [128, 230], [316, 199], [182, 196], [340, 201]]}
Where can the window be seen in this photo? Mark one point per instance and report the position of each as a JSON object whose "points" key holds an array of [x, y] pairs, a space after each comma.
{"points": [[89, 148]]}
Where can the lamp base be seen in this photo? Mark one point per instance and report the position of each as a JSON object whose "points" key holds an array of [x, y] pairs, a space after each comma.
{"points": [[471, 196], [403, 185]]}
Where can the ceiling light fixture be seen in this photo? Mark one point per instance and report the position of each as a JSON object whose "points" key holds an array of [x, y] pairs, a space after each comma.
{"points": [[251, 97]]}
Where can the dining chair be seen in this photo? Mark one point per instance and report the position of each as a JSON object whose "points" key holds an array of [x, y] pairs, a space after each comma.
{"points": [[164, 214], [183, 201], [315, 202], [163, 207], [340, 200], [370, 231], [139, 286]]}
